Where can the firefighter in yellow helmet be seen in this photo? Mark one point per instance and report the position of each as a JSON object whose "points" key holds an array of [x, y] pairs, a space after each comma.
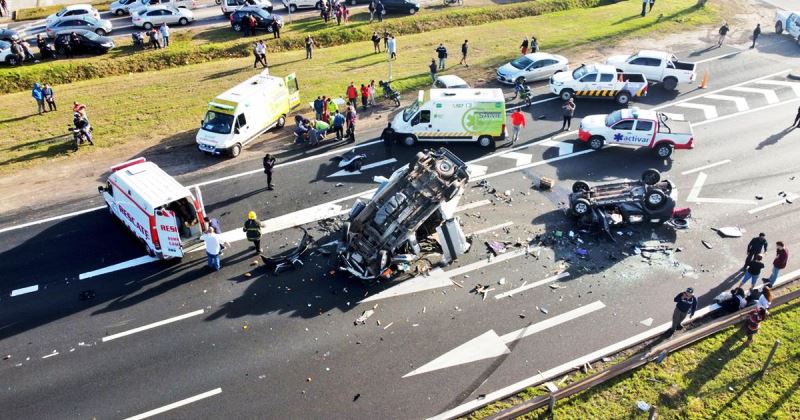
{"points": [[252, 228]]}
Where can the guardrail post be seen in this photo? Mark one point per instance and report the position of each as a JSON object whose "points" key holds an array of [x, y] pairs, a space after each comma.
{"points": [[551, 403], [769, 358]]}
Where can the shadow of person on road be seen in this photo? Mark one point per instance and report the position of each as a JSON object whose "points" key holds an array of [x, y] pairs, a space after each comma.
{"points": [[775, 138]]}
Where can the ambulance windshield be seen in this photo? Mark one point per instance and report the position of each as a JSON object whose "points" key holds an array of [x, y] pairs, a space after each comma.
{"points": [[218, 123], [410, 111]]}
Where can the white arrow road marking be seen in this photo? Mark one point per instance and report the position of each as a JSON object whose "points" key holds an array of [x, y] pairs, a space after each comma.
{"points": [[710, 165], [769, 94], [476, 170], [741, 103], [564, 148], [520, 158], [789, 196], [512, 292], [694, 194], [488, 345], [795, 86], [710, 111], [363, 168], [177, 404]]}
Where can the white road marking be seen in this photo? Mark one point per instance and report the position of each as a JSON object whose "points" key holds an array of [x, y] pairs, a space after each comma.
{"points": [[564, 148], [491, 228], [153, 325], [473, 205], [741, 103], [794, 85], [694, 194], [532, 103], [533, 164], [363, 168], [51, 219], [290, 220], [519, 158], [710, 165], [710, 111], [25, 290], [175, 405], [749, 111], [512, 292], [116, 267], [789, 196], [674, 116], [769, 94], [489, 345], [714, 92], [54, 353], [706, 60], [476, 170]]}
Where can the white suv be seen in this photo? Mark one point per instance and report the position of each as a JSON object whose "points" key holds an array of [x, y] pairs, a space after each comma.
{"points": [[293, 5], [141, 5], [230, 6]]}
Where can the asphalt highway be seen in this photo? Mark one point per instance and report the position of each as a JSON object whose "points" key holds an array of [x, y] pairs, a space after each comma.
{"points": [[248, 343]]}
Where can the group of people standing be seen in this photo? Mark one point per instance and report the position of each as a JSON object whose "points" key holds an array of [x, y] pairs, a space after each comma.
{"points": [[44, 94], [366, 92], [389, 44]]}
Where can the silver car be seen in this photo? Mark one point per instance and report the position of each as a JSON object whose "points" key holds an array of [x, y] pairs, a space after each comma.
{"points": [[120, 7], [78, 24], [532, 67]]}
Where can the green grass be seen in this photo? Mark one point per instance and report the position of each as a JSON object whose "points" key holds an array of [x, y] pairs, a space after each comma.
{"points": [[152, 107], [713, 379], [43, 12], [191, 49]]}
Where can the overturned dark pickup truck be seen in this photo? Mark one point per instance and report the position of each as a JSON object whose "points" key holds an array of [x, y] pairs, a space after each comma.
{"points": [[409, 218]]}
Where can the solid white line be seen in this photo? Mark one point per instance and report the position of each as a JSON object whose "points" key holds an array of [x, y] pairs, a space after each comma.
{"points": [[54, 353], [116, 267], [532, 103], [491, 228], [789, 196], [51, 219], [153, 325], [345, 172], [710, 111], [694, 194], [176, 404], [512, 292], [769, 94], [711, 165], [706, 60], [474, 204], [25, 290], [552, 322], [741, 103], [531, 165]]}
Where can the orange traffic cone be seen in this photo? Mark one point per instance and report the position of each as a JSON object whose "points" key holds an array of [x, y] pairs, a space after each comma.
{"points": [[704, 83]]}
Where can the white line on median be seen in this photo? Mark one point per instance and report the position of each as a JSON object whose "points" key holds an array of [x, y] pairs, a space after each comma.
{"points": [[51, 219], [153, 325], [174, 405], [702, 168], [116, 267], [25, 290], [789, 196], [512, 292]]}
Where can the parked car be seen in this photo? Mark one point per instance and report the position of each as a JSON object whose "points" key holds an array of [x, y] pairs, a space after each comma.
{"points": [[230, 6], [788, 21], [159, 15], [7, 55], [141, 5], [9, 35], [90, 43], [532, 67], [74, 10], [79, 24], [293, 5], [263, 19], [450, 81], [120, 7], [657, 66], [599, 81], [405, 6]]}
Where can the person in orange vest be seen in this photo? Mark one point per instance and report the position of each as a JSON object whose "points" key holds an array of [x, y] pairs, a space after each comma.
{"points": [[517, 123], [352, 95]]}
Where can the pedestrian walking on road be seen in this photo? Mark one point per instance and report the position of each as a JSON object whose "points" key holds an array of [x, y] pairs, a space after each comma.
{"points": [[779, 263], [464, 51], [432, 67], [38, 96], [252, 230], [517, 123], [524, 46], [723, 32], [376, 42], [752, 271], [756, 246], [269, 164], [49, 97], [309, 47], [391, 45], [568, 112], [754, 319], [441, 52], [756, 33], [685, 304], [214, 245], [164, 30], [797, 118], [352, 95], [388, 137]]}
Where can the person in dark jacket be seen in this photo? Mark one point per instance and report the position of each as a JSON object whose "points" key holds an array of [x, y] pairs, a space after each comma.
{"points": [[756, 33], [269, 164], [685, 304], [432, 66], [276, 29], [252, 229], [318, 107], [753, 322], [779, 263], [388, 137], [441, 52], [753, 271], [464, 51], [379, 10], [376, 41], [756, 246]]}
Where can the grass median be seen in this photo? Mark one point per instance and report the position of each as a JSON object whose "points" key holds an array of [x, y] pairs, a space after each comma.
{"points": [[716, 378], [144, 109]]}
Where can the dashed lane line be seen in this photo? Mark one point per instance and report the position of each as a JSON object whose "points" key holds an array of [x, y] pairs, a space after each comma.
{"points": [[153, 325], [175, 405]]}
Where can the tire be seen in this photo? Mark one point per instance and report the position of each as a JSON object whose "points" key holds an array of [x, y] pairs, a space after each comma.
{"points": [[596, 142], [779, 27], [580, 187], [623, 98], [410, 140], [655, 199], [412, 10], [581, 206], [664, 150], [293, 8], [119, 12], [670, 84], [183, 21], [485, 141], [236, 150], [396, 101], [12, 60], [445, 169], [281, 121], [237, 27], [520, 80], [100, 32], [566, 94], [148, 26], [651, 176]]}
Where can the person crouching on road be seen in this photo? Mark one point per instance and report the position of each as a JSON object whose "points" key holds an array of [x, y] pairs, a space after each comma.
{"points": [[214, 246], [252, 228]]}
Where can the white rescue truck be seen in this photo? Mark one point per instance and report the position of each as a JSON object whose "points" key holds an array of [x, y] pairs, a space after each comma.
{"points": [[656, 66], [599, 81], [165, 216], [639, 128]]}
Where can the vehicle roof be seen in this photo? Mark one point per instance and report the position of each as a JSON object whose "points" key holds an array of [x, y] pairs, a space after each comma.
{"points": [[245, 89], [603, 68], [542, 55], [470, 94], [653, 54], [78, 6], [452, 79], [638, 113], [160, 7], [149, 185]]}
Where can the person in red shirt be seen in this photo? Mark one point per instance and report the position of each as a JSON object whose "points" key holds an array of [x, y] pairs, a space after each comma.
{"points": [[779, 263], [364, 96], [754, 319], [352, 95], [517, 123]]}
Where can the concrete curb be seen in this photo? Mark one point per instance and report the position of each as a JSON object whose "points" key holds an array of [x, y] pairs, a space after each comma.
{"points": [[794, 74]]}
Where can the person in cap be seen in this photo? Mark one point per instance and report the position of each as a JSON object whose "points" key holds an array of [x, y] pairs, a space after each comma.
{"points": [[252, 229], [685, 304]]}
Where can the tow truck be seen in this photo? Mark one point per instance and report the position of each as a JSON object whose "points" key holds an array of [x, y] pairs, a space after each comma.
{"points": [[600, 81], [640, 128], [408, 221]]}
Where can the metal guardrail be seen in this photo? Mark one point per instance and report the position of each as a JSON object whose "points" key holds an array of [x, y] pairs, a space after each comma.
{"points": [[658, 351]]}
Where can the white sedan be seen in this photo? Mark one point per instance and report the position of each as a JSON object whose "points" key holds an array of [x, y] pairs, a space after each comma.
{"points": [[449, 81], [531, 67], [159, 15], [74, 10]]}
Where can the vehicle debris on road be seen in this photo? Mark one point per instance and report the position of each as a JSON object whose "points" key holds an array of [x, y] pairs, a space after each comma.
{"points": [[363, 318]]}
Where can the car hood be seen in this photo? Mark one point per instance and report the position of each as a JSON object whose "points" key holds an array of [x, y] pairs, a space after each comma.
{"points": [[508, 70], [562, 77], [593, 121], [617, 59]]}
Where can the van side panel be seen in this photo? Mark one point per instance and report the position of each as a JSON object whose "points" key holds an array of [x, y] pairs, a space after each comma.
{"points": [[131, 214]]}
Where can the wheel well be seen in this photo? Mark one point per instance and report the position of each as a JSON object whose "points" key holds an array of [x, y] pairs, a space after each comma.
{"points": [[666, 141]]}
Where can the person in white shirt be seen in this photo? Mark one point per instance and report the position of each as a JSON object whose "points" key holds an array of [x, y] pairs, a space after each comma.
{"points": [[765, 299], [214, 246]]}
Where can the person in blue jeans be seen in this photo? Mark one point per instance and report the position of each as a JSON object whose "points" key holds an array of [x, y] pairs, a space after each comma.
{"points": [[214, 246], [753, 271], [779, 263]]}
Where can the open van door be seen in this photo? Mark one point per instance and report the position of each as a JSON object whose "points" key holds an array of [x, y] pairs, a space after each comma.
{"points": [[294, 90], [168, 235]]}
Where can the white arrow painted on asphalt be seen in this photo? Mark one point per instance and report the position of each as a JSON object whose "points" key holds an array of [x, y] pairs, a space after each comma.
{"points": [[489, 345], [769, 94], [564, 148], [694, 194], [710, 111], [520, 158], [344, 172], [741, 103]]}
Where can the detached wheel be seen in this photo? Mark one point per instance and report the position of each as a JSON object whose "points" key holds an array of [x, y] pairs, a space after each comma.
{"points": [[596, 142], [779, 27], [655, 199], [581, 206], [664, 150], [623, 98], [236, 150], [670, 83], [485, 141], [410, 140], [580, 187], [566, 94], [651, 176]]}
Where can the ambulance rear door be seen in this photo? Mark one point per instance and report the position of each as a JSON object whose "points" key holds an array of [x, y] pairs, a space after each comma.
{"points": [[168, 235]]}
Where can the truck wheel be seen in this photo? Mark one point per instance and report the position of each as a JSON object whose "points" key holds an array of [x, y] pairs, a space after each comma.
{"points": [[281, 121], [651, 176], [670, 83], [485, 141], [664, 150], [581, 206], [779, 27], [410, 140], [236, 149], [566, 94], [596, 142], [580, 187], [445, 169], [655, 199], [623, 98], [293, 8]]}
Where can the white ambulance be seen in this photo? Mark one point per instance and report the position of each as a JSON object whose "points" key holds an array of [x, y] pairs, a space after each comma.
{"points": [[163, 214]]}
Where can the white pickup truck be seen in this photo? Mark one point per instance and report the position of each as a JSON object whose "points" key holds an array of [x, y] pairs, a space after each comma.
{"points": [[599, 80], [789, 22], [657, 66], [640, 128]]}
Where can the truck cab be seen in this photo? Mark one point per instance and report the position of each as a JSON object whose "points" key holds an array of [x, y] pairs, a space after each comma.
{"points": [[657, 66], [789, 22]]}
